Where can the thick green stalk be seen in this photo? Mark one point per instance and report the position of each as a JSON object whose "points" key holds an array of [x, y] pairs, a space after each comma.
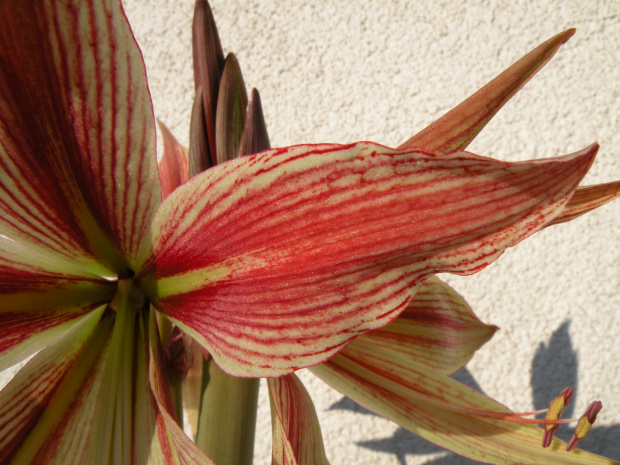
{"points": [[227, 418], [176, 389]]}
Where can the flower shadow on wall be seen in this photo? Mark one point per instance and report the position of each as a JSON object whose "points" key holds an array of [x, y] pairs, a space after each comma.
{"points": [[554, 366]]}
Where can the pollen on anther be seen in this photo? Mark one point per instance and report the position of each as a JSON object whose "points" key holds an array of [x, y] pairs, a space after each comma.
{"points": [[584, 424], [556, 408]]}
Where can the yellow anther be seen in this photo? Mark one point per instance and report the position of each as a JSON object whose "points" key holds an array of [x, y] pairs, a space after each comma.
{"points": [[556, 408], [585, 424]]}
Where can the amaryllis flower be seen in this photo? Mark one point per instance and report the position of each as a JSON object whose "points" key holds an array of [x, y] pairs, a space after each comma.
{"points": [[399, 371], [272, 262]]}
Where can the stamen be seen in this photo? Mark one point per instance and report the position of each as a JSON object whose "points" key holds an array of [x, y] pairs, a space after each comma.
{"points": [[556, 408], [585, 424]]}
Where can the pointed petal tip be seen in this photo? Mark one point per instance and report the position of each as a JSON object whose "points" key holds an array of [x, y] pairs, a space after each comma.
{"points": [[587, 155], [590, 151], [162, 127], [254, 97], [230, 56], [567, 34], [457, 129]]}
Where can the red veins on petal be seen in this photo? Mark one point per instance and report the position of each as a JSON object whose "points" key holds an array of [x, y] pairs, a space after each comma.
{"points": [[77, 160], [587, 199], [437, 328], [275, 261], [176, 447], [457, 128], [440, 409], [40, 295], [296, 434]]}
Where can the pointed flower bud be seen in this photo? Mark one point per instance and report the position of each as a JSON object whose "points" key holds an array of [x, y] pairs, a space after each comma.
{"points": [[230, 115], [556, 408], [254, 138], [199, 156], [585, 424], [208, 65]]}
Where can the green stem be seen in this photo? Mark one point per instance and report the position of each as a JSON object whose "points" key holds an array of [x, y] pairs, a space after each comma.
{"points": [[176, 389], [227, 416]]}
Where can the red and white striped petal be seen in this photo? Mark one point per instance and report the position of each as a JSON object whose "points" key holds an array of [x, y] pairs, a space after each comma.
{"points": [[437, 328], [587, 199], [41, 297], [456, 129], [174, 165], [77, 159], [48, 391], [275, 261], [297, 438], [441, 410], [88, 399]]}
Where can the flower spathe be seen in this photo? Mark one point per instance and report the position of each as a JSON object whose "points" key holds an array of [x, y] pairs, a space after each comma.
{"points": [[273, 262]]}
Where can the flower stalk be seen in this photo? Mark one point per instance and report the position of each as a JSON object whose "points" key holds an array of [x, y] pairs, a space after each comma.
{"points": [[227, 419], [224, 126]]}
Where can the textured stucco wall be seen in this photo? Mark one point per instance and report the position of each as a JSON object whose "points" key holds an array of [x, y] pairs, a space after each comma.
{"points": [[341, 71]]}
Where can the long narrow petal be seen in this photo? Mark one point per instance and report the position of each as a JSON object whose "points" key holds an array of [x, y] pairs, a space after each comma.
{"points": [[41, 297], [174, 164], [297, 436], [457, 128], [438, 329], [275, 261], [587, 199], [440, 409], [77, 159]]}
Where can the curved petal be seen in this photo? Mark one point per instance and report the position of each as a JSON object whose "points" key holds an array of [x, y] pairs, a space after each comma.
{"points": [[441, 410], [437, 328], [77, 160], [297, 436], [41, 297], [275, 261], [587, 199]]}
